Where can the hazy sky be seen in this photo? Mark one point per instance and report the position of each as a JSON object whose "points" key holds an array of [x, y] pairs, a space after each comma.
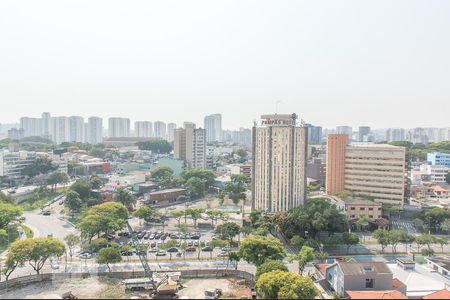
{"points": [[378, 63]]}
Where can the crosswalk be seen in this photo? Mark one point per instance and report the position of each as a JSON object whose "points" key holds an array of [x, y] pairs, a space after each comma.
{"points": [[404, 225]]}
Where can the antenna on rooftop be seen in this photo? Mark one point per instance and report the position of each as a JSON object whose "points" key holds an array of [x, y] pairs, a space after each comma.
{"points": [[276, 105]]}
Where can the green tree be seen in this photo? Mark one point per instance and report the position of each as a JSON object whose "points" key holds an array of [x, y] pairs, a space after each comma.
{"points": [[316, 215], [144, 213], [163, 175], [213, 215], [285, 285], [442, 242], [257, 249], [195, 214], [96, 245], [395, 237], [445, 226], [56, 178], [206, 176], [95, 182], [73, 201], [127, 199], [269, 266], [227, 231], [8, 213], [157, 146], [83, 188], [177, 215], [236, 188], [221, 197], [72, 240], [447, 178], [406, 239], [3, 236], [108, 256], [196, 187], [305, 256], [426, 239], [383, 238], [38, 251], [433, 217], [18, 253], [41, 165], [105, 217], [349, 239], [427, 252]]}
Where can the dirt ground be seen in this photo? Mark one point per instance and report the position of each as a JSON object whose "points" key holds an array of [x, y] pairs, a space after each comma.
{"points": [[103, 288], [195, 288], [89, 288]]}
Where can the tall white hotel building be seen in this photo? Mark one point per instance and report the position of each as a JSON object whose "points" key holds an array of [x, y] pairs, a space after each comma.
{"points": [[279, 163]]}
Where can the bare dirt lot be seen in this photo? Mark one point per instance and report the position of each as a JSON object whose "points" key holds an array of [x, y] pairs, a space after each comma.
{"points": [[105, 288], [89, 288]]}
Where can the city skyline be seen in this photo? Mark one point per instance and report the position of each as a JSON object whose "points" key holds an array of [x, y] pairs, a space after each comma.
{"points": [[333, 63]]}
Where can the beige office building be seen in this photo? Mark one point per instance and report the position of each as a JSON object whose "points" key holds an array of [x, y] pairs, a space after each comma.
{"points": [[375, 170], [190, 145], [279, 163]]}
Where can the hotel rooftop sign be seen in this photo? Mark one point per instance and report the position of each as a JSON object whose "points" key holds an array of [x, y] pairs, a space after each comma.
{"points": [[278, 120]]}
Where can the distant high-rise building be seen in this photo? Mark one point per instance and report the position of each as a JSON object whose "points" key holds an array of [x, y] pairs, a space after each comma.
{"points": [[395, 134], [76, 129], [118, 127], [160, 129], [59, 129], [31, 126], [373, 170], [171, 127], [363, 133], [213, 127], [94, 134], [46, 123], [190, 145], [143, 129], [314, 134], [16, 134], [345, 130], [418, 136], [279, 163]]}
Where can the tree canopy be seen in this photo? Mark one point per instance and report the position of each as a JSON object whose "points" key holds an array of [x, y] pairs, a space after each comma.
{"points": [[41, 165], [285, 285], [156, 146], [8, 213], [269, 266], [316, 215], [236, 188], [110, 255], [105, 217], [228, 230], [257, 249]]}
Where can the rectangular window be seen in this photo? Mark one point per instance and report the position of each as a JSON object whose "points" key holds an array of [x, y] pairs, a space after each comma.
{"points": [[371, 208], [369, 283], [352, 208], [362, 208]]}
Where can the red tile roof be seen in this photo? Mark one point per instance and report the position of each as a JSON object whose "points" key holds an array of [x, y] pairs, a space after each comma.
{"points": [[376, 295], [442, 294], [397, 283]]}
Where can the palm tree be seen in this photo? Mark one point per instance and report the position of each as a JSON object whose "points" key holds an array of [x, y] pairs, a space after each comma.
{"points": [[177, 215]]}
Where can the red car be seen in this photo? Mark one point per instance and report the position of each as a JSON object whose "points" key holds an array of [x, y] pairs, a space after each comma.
{"points": [[191, 249]]}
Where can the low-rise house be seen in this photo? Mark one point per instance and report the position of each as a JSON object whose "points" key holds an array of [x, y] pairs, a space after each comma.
{"points": [[357, 208], [359, 276], [440, 264], [165, 197]]}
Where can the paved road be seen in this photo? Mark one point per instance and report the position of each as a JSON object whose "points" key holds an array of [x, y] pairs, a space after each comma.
{"points": [[43, 226]]}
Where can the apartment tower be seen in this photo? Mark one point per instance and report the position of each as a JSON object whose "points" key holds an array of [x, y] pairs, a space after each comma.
{"points": [[335, 172], [190, 145], [279, 163]]}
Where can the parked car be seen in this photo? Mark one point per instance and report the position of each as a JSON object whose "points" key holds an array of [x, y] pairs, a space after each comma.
{"points": [[173, 249], [161, 253], [191, 249], [207, 249]]}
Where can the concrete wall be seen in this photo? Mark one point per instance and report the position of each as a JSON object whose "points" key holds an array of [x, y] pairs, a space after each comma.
{"points": [[205, 273]]}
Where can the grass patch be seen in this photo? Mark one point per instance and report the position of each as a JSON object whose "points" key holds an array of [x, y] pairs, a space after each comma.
{"points": [[28, 231], [37, 201], [75, 220]]}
